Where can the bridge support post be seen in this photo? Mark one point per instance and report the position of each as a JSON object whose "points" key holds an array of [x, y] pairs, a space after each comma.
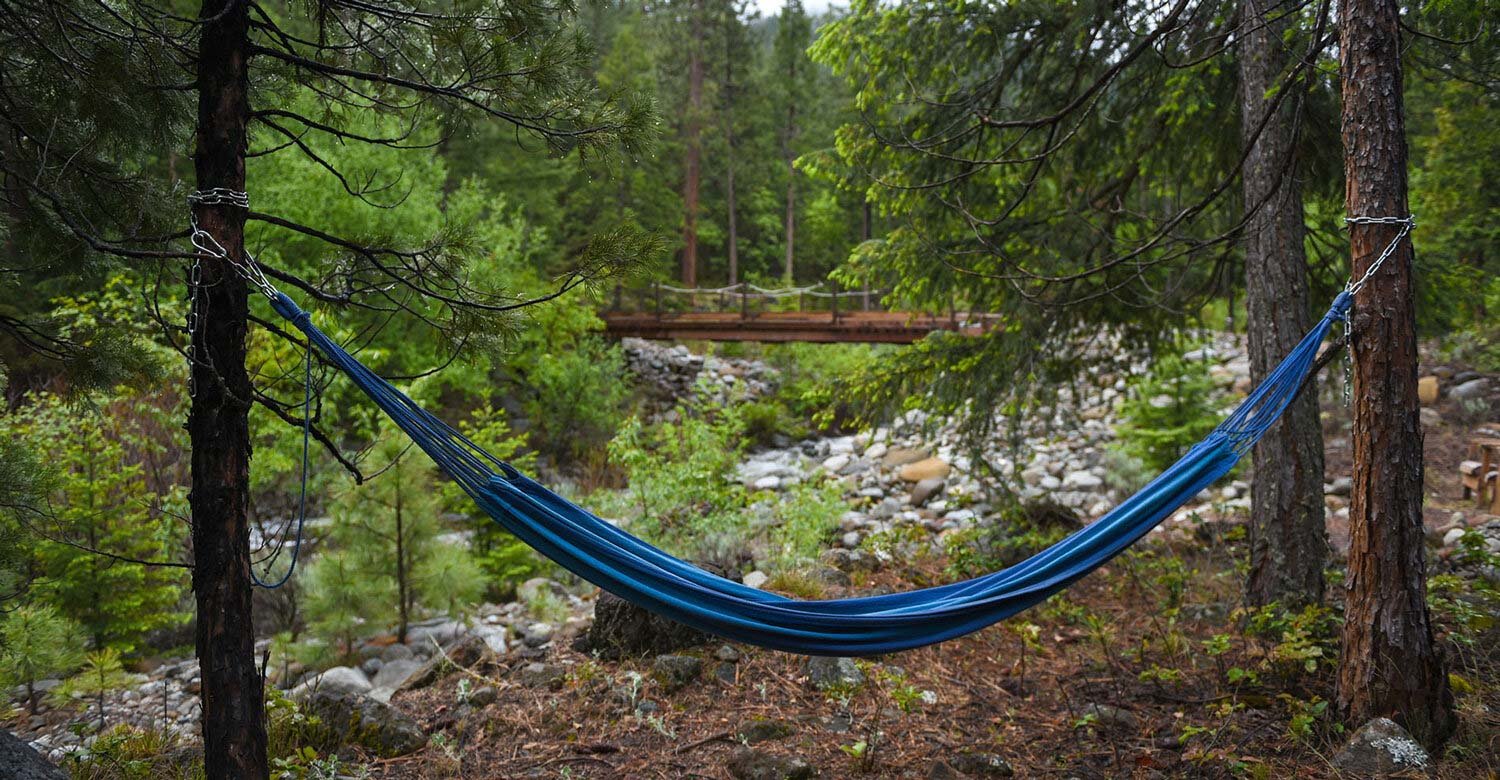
{"points": [[835, 287]]}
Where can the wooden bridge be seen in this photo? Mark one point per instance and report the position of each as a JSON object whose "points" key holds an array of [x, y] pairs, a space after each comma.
{"points": [[744, 312]]}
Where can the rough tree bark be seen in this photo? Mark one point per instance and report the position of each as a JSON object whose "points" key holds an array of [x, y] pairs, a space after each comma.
{"points": [[1390, 666], [693, 161], [1288, 542], [234, 735]]}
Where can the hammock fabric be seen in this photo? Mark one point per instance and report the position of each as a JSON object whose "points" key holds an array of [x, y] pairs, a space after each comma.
{"points": [[634, 570]]}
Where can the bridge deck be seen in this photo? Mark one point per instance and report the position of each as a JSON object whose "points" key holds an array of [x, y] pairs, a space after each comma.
{"points": [[886, 327]]}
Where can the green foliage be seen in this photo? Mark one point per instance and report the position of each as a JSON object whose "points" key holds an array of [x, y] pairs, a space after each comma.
{"points": [[382, 562], [128, 753], [101, 675], [36, 643], [1167, 411], [679, 471], [106, 516]]}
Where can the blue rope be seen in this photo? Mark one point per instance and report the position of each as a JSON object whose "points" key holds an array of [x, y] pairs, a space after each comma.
{"points": [[307, 412]]}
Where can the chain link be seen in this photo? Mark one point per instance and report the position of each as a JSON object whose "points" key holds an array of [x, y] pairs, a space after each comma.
{"points": [[207, 244], [1407, 223]]}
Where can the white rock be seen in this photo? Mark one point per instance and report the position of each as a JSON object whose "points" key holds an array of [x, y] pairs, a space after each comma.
{"points": [[836, 463], [756, 579], [768, 483], [1082, 480]]}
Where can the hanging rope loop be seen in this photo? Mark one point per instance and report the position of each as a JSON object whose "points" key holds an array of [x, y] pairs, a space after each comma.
{"points": [[207, 244], [1407, 223]]}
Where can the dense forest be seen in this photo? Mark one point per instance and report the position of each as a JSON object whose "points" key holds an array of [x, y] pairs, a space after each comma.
{"points": [[1101, 226]]}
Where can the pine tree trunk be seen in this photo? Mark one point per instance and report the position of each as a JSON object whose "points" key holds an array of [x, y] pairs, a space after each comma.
{"points": [[234, 735], [730, 207], [1390, 666], [791, 217], [1288, 542], [694, 154]]}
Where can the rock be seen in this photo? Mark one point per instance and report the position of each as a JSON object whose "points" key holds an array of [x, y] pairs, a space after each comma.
{"points": [[929, 468], [540, 675], [441, 632], [391, 677], [756, 579], [483, 697], [1430, 417], [20, 762], [982, 765], [396, 653], [829, 575], [1082, 480], [1111, 717], [493, 638], [827, 672], [1382, 749], [622, 629], [747, 763], [901, 456], [351, 719], [1428, 390], [675, 672], [466, 654], [764, 730], [925, 490], [767, 483], [1473, 388], [728, 653], [849, 560], [1451, 538], [532, 589], [1341, 486], [537, 634], [338, 680], [836, 463], [942, 770]]}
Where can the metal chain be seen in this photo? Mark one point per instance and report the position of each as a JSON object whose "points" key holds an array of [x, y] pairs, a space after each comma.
{"points": [[1355, 285], [207, 244], [1407, 223]]}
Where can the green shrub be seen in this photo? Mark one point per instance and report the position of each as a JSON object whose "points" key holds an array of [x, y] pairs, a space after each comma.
{"points": [[36, 643], [129, 753], [1167, 411]]}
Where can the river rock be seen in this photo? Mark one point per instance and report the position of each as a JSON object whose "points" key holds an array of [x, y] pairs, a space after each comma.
{"points": [[1474, 388], [927, 468], [925, 490], [901, 456]]}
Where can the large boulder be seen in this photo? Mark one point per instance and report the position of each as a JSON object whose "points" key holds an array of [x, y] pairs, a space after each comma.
{"points": [[350, 719], [1382, 749], [621, 629], [19, 762], [391, 676]]}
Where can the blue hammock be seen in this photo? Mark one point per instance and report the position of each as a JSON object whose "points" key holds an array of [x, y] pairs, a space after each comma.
{"points": [[632, 569]]}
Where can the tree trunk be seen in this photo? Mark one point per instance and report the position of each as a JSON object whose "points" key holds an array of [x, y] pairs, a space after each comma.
{"points": [[730, 207], [791, 215], [1390, 666], [1288, 542], [694, 153], [234, 735], [403, 586]]}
